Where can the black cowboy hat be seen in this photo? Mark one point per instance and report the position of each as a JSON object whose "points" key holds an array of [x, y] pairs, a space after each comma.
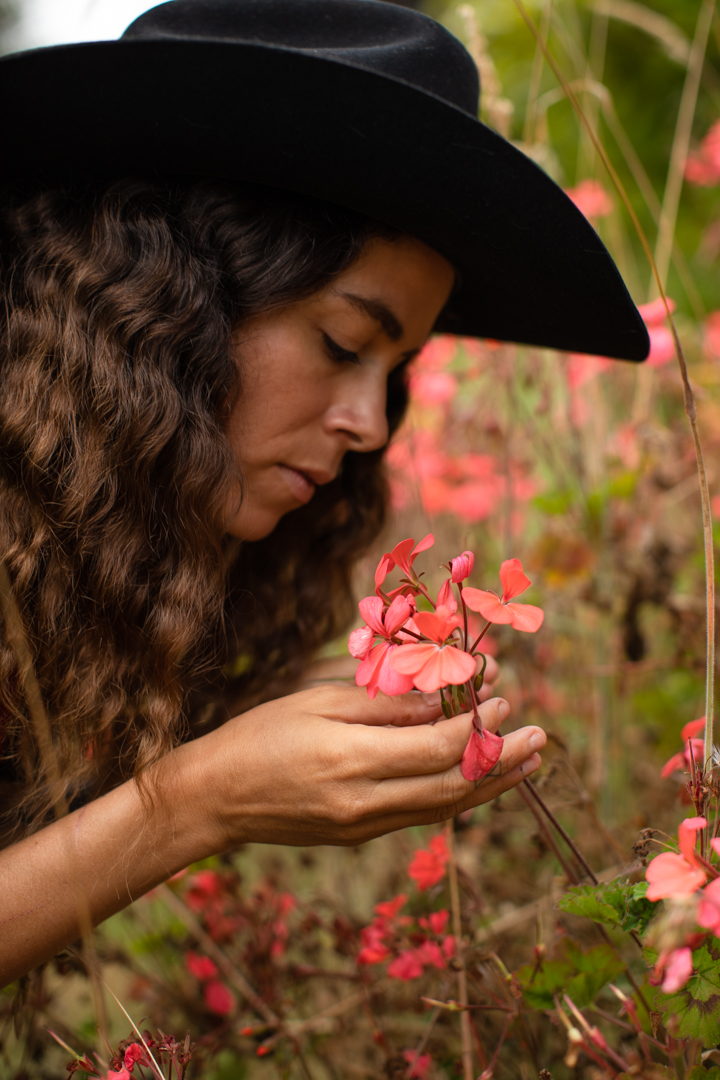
{"points": [[361, 103]]}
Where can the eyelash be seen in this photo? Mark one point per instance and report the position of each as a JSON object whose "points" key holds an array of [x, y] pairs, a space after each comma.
{"points": [[336, 352]]}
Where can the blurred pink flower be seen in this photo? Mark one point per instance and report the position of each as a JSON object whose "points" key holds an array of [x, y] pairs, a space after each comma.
{"points": [[662, 346], [581, 368], [591, 199], [499, 610], [134, 1052], [202, 967], [374, 949], [388, 909], [704, 167], [432, 387], [438, 920], [218, 998], [438, 352], [405, 966], [673, 875], [709, 909], [420, 1064], [428, 866], [678, 969], [112, 1075], [682, 762]]}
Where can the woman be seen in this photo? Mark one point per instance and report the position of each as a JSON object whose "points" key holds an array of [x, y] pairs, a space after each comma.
{"points": [[198, 380]]}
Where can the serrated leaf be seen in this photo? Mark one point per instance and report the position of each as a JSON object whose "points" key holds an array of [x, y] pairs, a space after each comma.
{"points": [[540, 985], [697, 1005], [611, 903]]}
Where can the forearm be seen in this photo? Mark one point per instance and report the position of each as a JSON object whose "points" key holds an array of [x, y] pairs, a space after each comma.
{"points": [[87, 866]]}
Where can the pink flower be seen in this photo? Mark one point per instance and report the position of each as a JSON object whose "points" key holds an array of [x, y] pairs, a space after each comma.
{"points": [[695, 747], [591, 199], [432, 387], [662, 346], [709, 910], [430, 953], [428, 867], [448, 946], [704, 167], [218, 998], [678, 967], [672, 875], [404, 554], [446, 597], [462, 566], [438, 352], [406, 966], [375, 671], [495, 610], [420, 1064], [360, 642], [438, 921], [480, 754], [202, 967], [374, 949], [112, 1075], [134, 1052], [432, 664]]}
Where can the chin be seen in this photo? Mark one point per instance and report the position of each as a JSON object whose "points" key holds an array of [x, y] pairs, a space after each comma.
{"points": [[253, 526]]}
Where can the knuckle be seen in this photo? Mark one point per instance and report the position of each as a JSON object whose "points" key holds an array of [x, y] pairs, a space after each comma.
{"points": [[348, 814]]}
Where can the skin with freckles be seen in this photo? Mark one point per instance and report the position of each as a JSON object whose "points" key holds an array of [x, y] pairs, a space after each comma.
{"points": [[322, 766], [314, 376]]}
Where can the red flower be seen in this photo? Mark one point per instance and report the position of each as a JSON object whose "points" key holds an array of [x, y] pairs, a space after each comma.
{"points": [[403, 555], [218, 998], [374, 949], [481, 754], [681, 762], [438, 921], [375, 671], [202, 967], [428, 867], [430, 953], [432, 664], [500, 610], [389, 908], [406, 966], [591, 199], [704, 168]]}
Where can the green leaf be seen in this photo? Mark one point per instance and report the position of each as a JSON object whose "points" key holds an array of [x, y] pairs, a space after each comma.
{"points": [[613, 903], [697, 1005], [554, 502], [582, 976], [699, 1072]]}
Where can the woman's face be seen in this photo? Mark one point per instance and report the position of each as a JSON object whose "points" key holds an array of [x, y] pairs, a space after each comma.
{"points": [[314, 376]]}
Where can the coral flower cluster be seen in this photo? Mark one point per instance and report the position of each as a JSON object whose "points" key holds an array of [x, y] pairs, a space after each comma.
{"points": [[404, 646]]}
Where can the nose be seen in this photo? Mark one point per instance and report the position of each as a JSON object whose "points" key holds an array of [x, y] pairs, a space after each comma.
{"points": [[359, 413]]}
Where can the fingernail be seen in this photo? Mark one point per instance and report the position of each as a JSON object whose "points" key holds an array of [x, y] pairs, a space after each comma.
{"points": [[503, 709], [537, 741], [432, 699]]}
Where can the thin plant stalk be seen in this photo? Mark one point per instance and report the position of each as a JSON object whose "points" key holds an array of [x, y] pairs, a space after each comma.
{"points": [[465, 1031], [688, 396]]}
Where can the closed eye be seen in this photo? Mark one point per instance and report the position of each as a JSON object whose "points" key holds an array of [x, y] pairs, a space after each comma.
{"points": [[336, 352]]}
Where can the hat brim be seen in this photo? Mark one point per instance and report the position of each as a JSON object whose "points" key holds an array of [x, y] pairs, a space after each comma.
{"points": [[533, 270]]}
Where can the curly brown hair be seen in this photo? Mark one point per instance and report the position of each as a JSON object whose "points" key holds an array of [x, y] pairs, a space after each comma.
{"points": [[116, 363]]}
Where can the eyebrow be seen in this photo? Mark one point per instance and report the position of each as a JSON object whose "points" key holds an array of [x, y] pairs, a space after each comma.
{"points": [[379, 311]]}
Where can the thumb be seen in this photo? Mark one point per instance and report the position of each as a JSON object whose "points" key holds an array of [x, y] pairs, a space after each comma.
{"points": [[351, 705]]}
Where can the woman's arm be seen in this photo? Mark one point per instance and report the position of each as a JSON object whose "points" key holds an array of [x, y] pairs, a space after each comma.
{"points": [[324, 766]]}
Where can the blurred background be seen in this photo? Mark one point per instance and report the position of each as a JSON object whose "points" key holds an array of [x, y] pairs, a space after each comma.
{"points": [[581, 467]]}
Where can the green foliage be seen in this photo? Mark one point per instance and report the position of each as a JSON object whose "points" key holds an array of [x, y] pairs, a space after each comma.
{"points": [[619, 904], [579, 974], [697, 1005], [699, 1072]]}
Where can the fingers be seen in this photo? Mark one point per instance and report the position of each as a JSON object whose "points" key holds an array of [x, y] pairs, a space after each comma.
{"points": [[439, 790], [352, 705]]}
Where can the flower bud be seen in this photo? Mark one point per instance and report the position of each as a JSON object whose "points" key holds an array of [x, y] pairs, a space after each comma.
{"points": [[462, 566]]}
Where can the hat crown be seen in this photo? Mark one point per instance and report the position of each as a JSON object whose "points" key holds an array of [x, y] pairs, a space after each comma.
{"points": [[382, 37]]}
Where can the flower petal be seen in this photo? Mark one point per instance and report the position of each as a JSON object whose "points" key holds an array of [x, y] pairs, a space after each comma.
{"points": [[367, 672], [525, 617], [456, 666], [409, 659], [677, 971], [487, 604], [671, 875], [480, 755], [390, 681], [360, 642], [512, 579], [445, 596], [371, 609], [686, 837], [397, 615], [386, 564], [692, 729], [462, 566]]}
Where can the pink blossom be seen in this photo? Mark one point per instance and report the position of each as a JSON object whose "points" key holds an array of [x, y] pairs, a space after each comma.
{"points": [[404, 554], [446, 597], [709, 909], [433, 664], [499, 610], [218, 998], [374, 949], [673, 875], [202, 967], [420, 1064], [678, 969], [430, 953], [704, 168], [360, 642], [112, 1075], [662, 345], [438, 920], [654, 313], [432, 387], [428, 866], [438, 352], [375, 671], [462, 566], [133, 1053], [591, 199], [448, 946], [581, 368], [481, 753], [405, 966], [694, 749]]}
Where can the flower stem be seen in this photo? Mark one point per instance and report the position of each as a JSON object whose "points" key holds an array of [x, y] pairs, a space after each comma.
{"points": [[551, 817], [479, 638], [465, 1032]]}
